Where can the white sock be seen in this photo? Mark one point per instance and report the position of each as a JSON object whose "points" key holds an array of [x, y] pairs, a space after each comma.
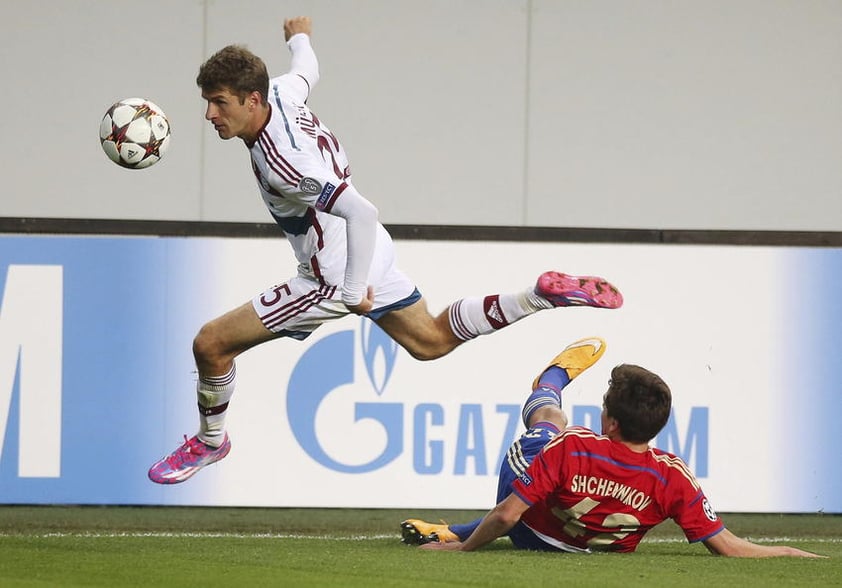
{"points": [[472, 317], [213, 394]]}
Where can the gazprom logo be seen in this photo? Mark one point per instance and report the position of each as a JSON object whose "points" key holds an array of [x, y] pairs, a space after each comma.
{"points": [[454, 439], [437, 438], [329, 365]]}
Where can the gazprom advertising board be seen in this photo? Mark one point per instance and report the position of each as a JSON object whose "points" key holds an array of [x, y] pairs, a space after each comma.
{"points": [[97, 379]]}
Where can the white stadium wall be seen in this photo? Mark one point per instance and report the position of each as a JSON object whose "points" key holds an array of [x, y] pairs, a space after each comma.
{"points": [[683, 115], [107, 376]]}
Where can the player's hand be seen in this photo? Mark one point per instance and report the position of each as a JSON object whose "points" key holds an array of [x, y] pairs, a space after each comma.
{"points": [[365, 305], [795, 552], [297, 24], [436, 546]]}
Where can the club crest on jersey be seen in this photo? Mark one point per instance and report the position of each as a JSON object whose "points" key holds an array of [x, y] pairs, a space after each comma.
{"points": [[309, 186], [324, 198]]}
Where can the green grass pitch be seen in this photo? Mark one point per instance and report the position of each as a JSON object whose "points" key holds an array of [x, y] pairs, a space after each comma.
{"points": [[145, 546]]}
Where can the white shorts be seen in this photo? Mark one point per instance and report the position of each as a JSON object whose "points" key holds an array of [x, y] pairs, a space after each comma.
{"points": [[297, 307]]}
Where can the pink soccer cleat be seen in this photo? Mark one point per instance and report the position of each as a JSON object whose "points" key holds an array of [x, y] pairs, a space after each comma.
{"points": [[565, 290], [188, 459]]}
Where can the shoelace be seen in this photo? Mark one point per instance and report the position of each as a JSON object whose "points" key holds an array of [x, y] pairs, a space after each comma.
{"points": [[177, 457]]}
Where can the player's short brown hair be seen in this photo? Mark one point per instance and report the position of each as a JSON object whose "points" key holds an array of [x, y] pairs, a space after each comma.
{"points": [[236, 69], [639, 400]]}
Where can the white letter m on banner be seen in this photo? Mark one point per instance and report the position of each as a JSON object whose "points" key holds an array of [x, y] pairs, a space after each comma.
{"points": [[31, 346]]}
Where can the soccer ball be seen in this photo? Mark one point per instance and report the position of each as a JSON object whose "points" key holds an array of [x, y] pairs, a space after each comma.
{"points": [[134, 133]]}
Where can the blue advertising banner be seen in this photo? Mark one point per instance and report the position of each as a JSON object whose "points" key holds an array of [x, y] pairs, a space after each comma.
{"points": [[97, 379]]}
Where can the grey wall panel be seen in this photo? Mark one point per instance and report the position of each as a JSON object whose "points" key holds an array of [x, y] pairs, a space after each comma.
{"points": [[64, 64], [589, 113], [715, 114], [428, 99]]}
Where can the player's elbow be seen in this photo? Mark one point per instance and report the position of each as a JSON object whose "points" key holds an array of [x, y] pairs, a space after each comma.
{"points": [[355, 208], [508, 520], [369, 211], [363, 215], [505, 517]]}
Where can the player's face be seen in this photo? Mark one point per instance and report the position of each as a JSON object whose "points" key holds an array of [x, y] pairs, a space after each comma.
{"points": [[230, 118]]}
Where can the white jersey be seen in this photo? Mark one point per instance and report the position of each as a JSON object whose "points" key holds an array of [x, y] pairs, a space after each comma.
{"points": [[302, 169], [303, 174]]}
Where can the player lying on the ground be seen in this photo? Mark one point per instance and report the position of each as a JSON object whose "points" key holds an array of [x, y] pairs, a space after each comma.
{"points": [[568, 489]]}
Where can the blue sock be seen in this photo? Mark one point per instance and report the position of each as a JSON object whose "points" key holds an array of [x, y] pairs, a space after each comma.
{"points": [[554, 378], [464, 531], [548, 392]]}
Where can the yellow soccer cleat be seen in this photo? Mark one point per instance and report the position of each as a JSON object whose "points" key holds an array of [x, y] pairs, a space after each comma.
{"points": [[417, 532], [576, 357]]}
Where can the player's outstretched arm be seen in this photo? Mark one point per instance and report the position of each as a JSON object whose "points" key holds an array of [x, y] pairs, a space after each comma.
{"points": [[729, 545], [304, 64], [361, 232], [496, 523]]}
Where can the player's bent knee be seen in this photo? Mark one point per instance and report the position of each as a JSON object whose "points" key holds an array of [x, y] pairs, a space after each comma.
{"points": [[549, 414], [206, 345]]}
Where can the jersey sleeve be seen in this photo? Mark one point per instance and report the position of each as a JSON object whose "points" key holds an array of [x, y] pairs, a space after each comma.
{"points": [[690, 508], [361, 232], [304, 69]]}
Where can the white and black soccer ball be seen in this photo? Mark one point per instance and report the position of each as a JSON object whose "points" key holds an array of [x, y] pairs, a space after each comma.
{"points": [[135, 133]]}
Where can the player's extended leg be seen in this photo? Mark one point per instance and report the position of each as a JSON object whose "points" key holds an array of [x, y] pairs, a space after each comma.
{"points": [[518, 457], [214, 348], [417, 331], [426, 337], [564, 368]]}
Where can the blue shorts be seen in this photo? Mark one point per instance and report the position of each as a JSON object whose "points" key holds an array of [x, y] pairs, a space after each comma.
{"points": [[520, 455], [408, 301]]}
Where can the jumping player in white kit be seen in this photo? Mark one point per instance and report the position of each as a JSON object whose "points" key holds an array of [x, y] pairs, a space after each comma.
{"points": [[346, 257]]}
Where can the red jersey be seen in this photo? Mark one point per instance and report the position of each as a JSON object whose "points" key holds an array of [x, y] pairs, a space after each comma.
{"points": [[586, 491]]}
